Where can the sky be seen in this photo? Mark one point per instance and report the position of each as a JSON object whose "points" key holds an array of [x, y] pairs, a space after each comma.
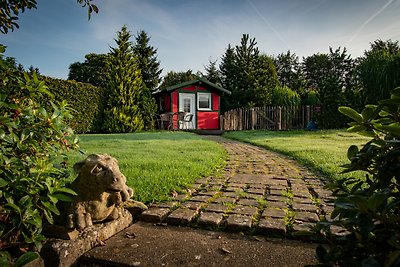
{"points": [[189, 33]]}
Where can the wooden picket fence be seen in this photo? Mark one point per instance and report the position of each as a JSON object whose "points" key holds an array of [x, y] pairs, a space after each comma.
{"points": [[267, 118]]}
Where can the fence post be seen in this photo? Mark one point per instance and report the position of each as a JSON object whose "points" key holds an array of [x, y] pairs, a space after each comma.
{"points": [[279, 118]]}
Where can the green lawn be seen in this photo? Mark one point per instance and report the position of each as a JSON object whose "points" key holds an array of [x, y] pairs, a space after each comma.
{"points": [[156, 163], [323, 151]]}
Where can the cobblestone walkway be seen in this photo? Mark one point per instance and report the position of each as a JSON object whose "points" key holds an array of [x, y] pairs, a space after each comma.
{"points": [[260, 192]]}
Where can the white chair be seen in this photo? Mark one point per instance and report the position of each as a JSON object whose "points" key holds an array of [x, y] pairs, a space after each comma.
{"points": [[187, 120]]}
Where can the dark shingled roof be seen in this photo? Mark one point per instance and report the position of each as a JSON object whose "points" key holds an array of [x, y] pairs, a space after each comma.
{"points": [[198, 80]]}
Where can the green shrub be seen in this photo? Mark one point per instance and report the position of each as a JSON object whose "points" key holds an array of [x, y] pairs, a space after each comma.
{"points": [[284, 96], [367, 212], [86, 102], [33, 162]]}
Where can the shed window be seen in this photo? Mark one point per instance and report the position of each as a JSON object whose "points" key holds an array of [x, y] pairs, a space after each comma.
{"points": [[203, 101]]}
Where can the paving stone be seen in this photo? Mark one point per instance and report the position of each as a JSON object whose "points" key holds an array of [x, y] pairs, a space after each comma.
{"points": [[232, 189], [302, 200], [306, 216], [213, 207], [200, 198], [276, 181], [181, 197], [304, 194], [197, 186], [277, 204], [210, 218], [276, 198], [230, 194], [277, 187], [181, 216], [258, 191], [304, 207], [272, 226], [299, 187], [322, 193], [273, 213], [276, 192], [260, 186], [202, 181], [303, 227], [253, 196], [224, 200], [192, 205], [236, 185], [207, 193], [245, 210], [154, 215], [168, 205], [238, 222], [247, 202]]}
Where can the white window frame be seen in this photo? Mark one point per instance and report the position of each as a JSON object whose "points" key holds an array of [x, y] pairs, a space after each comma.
{"points": [[199, 94]]}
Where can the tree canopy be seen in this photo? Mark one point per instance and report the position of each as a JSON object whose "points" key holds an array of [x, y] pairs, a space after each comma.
{"points": [[10, 9], [130, 104]]}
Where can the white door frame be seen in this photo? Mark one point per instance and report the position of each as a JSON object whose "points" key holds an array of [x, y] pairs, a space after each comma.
{"points": [[192, 109]]}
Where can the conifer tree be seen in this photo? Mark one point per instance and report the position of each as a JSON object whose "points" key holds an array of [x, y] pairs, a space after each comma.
{"points": [[130, 104], [147, 60]]}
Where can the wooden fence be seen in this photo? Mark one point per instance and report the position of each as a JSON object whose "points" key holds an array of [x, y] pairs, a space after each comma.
{"points": [[267, 118]]}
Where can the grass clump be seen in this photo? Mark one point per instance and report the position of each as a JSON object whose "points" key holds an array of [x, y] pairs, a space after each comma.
{"points": [[157, 163]]}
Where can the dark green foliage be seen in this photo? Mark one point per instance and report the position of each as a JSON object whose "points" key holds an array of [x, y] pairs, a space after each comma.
{"points": [[92, 70], [247, 74], [10, 9], [378, 70], [86, 102], [173, 78], [147, 60], [212, 73], [368, 210], [332, 77], [33, 161], [130, 105], [288, 70]]}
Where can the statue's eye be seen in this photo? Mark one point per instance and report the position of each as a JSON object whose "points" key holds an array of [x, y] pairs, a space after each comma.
{"points": [[97, 169]]}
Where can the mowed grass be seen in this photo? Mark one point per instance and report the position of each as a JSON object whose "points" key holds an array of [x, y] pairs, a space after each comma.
{"points": [[324, 151], [157, 163]]}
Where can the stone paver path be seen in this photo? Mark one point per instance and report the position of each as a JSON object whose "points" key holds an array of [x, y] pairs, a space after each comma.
{"points": [[260, 192]]}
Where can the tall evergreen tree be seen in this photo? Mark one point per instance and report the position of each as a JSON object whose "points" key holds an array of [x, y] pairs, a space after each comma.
{"points": [[147, 60], [247, 74], [130, 104], [288, 70], [212, 73]]}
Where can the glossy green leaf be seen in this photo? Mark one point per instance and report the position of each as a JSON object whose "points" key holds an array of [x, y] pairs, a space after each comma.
{"points": [[26, 258], [356, 128], [3, 182], [352, 152], [50, 207], [65, 190], [351, 113]]}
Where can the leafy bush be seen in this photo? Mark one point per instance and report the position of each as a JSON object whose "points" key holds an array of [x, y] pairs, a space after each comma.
{"points": [[33, 161], [284, 96], [87, 103], [367, 211]]}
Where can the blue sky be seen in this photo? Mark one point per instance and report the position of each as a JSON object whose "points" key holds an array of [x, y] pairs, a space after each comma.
{"points": [[188, 33]]}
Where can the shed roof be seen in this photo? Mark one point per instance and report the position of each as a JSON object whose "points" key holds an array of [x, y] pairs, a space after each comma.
{"points": [[198, 80]]}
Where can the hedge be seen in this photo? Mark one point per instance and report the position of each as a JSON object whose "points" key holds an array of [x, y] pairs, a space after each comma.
{"points": [[85, 100]]}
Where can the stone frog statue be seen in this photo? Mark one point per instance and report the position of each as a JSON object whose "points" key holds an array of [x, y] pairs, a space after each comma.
{"points": [[101, 192]]}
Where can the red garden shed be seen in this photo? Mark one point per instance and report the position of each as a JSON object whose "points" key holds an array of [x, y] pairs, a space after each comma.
{"points": [[193, 105]]}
